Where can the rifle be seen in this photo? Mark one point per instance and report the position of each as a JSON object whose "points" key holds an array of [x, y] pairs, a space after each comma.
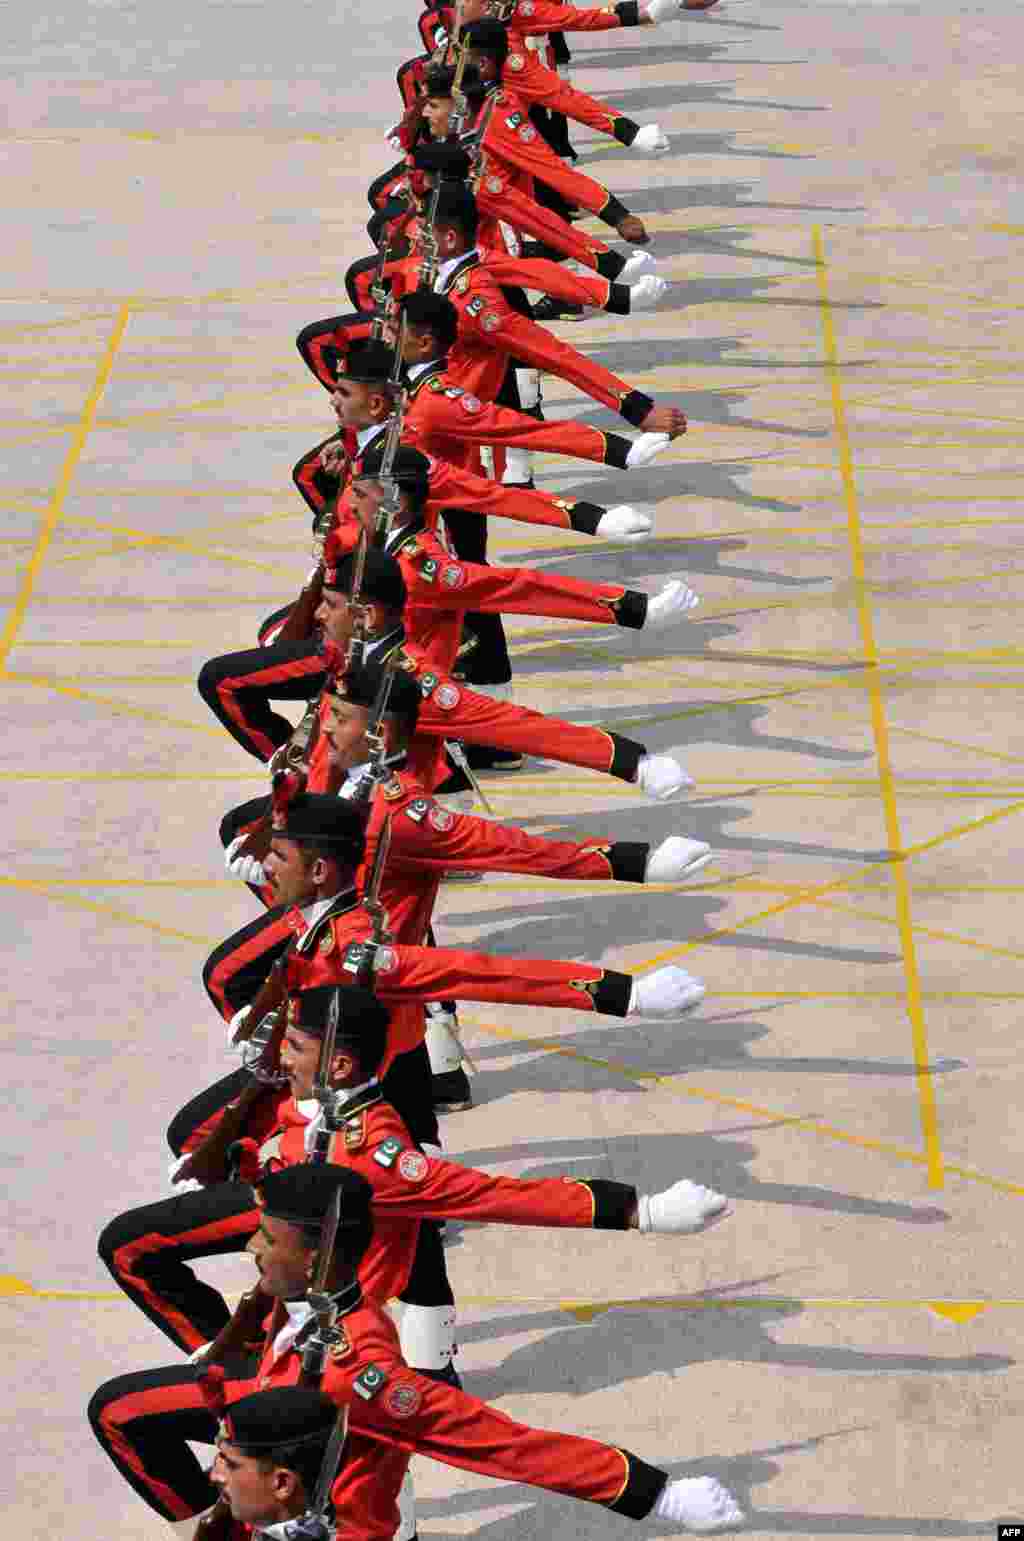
{"points": [[300, 624], [322, 1083], [314, 1350], [244, 1327], [380, 935], [314, 1525], [427, 273], [390, 504], [217, 1524]]}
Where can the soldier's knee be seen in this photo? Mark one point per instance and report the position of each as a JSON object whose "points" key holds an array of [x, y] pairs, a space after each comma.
{"points": [[206, 682], [114, 1235]]}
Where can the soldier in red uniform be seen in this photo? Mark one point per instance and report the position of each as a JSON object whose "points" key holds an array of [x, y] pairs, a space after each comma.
{"points": [[536, 18], [270, 1448], [148, 1250], [145, 1421]]}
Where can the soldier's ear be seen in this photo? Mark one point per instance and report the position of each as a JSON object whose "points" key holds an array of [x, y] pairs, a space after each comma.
{"points": [[285, 1484], [342, 1067]]}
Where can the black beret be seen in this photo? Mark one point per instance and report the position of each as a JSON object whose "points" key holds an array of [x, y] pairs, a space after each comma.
{"points": [[455, 201], [302, 1195], [370, 362], [410, 469], [359, 1010], [283, 1415], [315, 818], [382, 578], [487, 36], [440, 80], [360, 686], [445, 156]]}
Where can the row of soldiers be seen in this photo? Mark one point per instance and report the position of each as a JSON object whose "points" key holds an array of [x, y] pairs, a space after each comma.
{"points": [[320, 1155]]}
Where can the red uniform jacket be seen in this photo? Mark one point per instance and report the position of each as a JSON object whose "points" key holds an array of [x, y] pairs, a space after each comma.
{"points": [[452, 710], [441, 588], [491, 332], [409, 1186], [446, 420], [333, 951], [407, 1413], [531, 18], [512, 146], [538, 86]]}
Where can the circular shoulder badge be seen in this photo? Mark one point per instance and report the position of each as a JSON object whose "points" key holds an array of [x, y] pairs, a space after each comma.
{"points": [[440, 819], [385, 960], [447, 698], [412, 1165], [471, 404], [515, 62], [491, 321], [494, 185], [403, 1400]]}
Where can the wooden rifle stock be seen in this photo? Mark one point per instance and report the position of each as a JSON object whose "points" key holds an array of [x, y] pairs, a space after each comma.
{"points": [[208, 1163], [216, 1524], [244, 1328]]}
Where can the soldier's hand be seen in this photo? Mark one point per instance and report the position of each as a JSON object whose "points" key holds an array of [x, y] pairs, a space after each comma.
{"points": [[333, 458], [665, 420], [633, 230]]}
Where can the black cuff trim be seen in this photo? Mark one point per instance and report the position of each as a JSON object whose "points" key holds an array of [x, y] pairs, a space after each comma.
{"points": [[617, 303], [614, 212], [616, 450], [625, 130], [585, 517], [643, 1487], [626, 759], [610, 994], [628, 860], [610, 264], [631, 610], [613, 1203], [635, 406], [628, 12]]}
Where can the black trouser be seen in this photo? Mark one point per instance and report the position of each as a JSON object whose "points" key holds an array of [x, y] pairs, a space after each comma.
{"points": [[239, 687], [144, 1422]]}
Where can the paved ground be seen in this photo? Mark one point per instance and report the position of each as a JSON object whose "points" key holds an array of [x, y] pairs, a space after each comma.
{"points": [[842, 214]]}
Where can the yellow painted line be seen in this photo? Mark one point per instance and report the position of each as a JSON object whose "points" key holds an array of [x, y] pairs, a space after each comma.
{"points": [[55, 507], [117, 707], [879, 728], [117, 776], [125, 917], [787, 1120]]}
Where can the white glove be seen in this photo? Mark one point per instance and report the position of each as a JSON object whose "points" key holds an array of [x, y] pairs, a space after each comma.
{"points": [[200, 1354], [664, 10], [669, 603], [189, 1185], [637, 262], [650, 141], [666, 992], [624, 523], [643, 450], [245, 868], [647, 292], [676, 858], [662, 777], [683, 1208], [700, 1503], [235, 1023]]}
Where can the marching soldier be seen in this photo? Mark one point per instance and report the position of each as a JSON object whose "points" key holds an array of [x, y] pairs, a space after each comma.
{"points": [[145, 1421], [149, 1250], [270, 1449]]}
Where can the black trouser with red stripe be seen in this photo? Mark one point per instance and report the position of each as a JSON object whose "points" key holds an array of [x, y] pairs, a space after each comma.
{"points": [[148, 1249], [144, 1422], [239, 687]]}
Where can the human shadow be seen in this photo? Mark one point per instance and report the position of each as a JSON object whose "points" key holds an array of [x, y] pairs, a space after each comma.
{"points": [[717, 93], [651, 1162], [611, 920], [671, 198], [626, 1344], [714, 479], [670, 555]]}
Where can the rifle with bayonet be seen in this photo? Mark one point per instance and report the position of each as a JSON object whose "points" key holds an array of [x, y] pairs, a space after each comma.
{"points": [[315, 1524], [325, 1310], [428, 268], [390, 505]]}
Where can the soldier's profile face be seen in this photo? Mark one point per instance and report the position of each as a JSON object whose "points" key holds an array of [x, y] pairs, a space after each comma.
{"points": [[288, 870], [334, 616], [352, 403], [300, 1055], [283, 1260], [437, 111], [366, 499], [250, 1486], [345, 731]]}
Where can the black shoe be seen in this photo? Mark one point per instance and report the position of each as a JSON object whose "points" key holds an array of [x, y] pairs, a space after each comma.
{"points": [[481, 757], [550, 309], [449, 1376], [450, 1091]]}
